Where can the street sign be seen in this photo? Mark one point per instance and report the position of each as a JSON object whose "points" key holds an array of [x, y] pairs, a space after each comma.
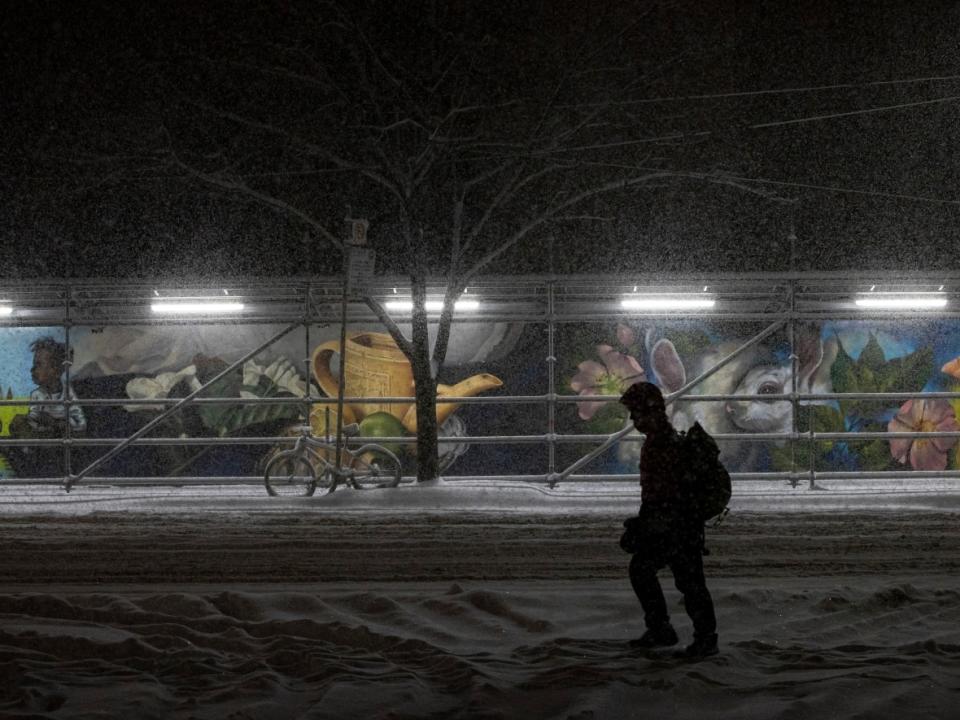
{"points": [[358, 232], [360, 266]]}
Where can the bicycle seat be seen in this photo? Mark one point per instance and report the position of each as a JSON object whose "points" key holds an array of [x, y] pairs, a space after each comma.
{"points": [[351, 430]]}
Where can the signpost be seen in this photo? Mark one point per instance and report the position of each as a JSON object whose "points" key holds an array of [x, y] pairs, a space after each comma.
{"points": [[358, 261]]}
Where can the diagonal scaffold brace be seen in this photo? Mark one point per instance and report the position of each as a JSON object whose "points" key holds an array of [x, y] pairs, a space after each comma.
{"points": [[120, 447], [759, 337]]}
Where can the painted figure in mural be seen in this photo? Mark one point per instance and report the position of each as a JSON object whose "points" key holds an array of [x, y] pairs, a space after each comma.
{"points": [[668, 533], [49, 356]]}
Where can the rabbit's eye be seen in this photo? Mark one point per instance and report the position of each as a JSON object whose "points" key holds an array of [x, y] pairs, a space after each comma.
{"points": [[768, 388]]}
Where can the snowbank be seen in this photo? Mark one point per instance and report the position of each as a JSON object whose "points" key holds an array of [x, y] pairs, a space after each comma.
{"points": [[826, 648]]}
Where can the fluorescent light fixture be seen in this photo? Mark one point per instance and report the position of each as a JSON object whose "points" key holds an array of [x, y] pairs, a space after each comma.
{"points": [[6, 311], [196, 307], [898, 301], [432, 305], [666, 302]]}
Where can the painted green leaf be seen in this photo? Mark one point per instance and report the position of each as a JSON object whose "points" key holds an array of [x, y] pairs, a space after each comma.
{"points": [[875, 455], [842, 371], [690, 343], [872, 373], [227, 419], [799, 460], [866, 380], [825, 419], [241, 416], [214, 416], [872, 354], [782, 459], [906, 374], [607, 420]]}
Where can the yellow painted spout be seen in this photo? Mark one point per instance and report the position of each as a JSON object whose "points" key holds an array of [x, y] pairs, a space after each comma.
{"points": [[473, 385]]}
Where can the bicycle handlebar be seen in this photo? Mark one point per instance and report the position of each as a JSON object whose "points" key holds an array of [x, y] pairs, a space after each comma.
{"points": [[350, 430]]}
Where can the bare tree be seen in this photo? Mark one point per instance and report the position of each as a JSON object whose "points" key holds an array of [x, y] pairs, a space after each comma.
{"points": [[460, 134]]}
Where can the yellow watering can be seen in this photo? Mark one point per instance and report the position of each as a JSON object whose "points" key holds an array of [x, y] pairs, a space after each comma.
{"points": [[375, 367]]}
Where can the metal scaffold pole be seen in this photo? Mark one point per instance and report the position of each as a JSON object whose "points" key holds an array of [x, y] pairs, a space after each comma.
{"points": [[67, 366], [551, 386], [794, 369]]}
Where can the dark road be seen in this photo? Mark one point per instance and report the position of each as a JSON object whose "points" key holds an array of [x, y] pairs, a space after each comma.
{"points": [[296, 547]]}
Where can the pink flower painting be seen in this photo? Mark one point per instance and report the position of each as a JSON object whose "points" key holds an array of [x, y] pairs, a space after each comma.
{"points": [[615, 374], [626, 335], [952, 368], [920, 415]]}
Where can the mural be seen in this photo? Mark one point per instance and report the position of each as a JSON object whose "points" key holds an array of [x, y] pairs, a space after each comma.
{"points": [[137, 365], [836, 357], [151, 363]]}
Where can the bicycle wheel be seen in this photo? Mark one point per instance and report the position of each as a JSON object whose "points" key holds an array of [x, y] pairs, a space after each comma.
{"points": [[374, 467], [290, 474]]}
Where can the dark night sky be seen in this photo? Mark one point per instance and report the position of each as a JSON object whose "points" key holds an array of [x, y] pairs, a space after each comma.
{"points": [[80, 90]]}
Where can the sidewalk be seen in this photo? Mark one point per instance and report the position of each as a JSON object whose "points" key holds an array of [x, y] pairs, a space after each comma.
{"points": [[481, 496]]}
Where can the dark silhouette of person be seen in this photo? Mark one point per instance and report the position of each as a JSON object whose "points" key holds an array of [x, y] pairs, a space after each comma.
{"points": [[670, 532]]}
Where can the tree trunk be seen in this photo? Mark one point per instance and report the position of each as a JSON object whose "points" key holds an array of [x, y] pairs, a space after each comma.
{"points": [[424, 378], [428, 457]]}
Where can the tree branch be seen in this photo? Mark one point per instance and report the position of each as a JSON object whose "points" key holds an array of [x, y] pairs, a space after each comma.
{"points": [[305, 144], [551, 212], [507, 191], [263, 198], [390, 324]]}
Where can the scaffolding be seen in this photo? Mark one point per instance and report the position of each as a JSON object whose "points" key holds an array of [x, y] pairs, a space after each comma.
{"points": [[780, 301]]}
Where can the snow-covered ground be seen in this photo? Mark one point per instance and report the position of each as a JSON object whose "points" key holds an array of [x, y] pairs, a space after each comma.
{"points": [[474, 495], [468, 600], [836, 648]]}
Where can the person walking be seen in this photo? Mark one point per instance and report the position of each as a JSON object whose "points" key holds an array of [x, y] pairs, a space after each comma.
{"points": [[669, 533]]}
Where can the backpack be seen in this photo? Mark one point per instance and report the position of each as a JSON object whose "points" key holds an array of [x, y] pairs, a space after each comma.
{"points": [[708, 482]]}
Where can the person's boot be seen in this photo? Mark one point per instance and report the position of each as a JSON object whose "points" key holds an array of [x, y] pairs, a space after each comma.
{"points": [[702, 646], [662, 636]]}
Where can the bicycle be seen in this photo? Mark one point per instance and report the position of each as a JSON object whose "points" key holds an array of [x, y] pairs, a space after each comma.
{"points": [[304, 468]]}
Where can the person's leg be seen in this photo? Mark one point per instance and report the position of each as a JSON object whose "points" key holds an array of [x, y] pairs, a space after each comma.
{"points": [[643, 578], [687, 567]]}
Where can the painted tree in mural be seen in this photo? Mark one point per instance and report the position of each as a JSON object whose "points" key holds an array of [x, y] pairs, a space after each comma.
{"points": [[460, 134]]}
